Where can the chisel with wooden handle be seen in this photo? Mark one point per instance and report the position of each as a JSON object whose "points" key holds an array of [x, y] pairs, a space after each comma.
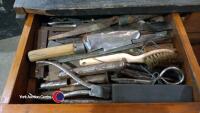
{"points": [[56, 51], [93, 42]]}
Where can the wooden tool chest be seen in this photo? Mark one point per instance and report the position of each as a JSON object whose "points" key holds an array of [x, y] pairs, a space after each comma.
{"points": [[21, 79]]}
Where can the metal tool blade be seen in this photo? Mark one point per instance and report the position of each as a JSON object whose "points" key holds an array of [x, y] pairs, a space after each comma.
{"points": [[110, 40]]}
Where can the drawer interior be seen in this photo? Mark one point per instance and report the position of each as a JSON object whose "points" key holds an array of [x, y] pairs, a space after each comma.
{"points": [[22, 75]]}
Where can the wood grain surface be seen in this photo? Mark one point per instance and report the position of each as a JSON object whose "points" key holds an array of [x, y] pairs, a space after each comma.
{"points": [[102, 108]]}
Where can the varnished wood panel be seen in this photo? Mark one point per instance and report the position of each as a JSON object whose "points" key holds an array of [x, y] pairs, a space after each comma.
{"points": [[103, 108], [196, 49], [194, 37], [192, 23]]}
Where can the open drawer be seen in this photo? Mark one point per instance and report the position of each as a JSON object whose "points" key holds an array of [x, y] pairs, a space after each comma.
{"points": [[20, 80]]}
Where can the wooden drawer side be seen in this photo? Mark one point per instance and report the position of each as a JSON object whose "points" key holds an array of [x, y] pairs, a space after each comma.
{"points": [[18, 76], [191, 63]]}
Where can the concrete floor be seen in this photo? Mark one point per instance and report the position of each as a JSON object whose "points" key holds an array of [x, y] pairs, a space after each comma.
{"points": [[9, 31], [7, 51]]}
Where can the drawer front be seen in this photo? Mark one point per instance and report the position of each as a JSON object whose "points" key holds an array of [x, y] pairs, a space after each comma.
{"points": [[20, 80]]}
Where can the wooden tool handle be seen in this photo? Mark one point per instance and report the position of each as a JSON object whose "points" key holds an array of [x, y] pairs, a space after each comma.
{"points": [[111, 58], [51, 52]]}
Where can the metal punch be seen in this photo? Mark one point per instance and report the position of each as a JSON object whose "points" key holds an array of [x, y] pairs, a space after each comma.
{"points": [[95, 90]]}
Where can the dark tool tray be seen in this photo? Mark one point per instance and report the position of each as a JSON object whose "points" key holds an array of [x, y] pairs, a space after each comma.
{"points": [[104, 7]]}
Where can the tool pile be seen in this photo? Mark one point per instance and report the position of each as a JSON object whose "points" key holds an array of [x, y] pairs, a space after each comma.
{"points": [[111, 59]]}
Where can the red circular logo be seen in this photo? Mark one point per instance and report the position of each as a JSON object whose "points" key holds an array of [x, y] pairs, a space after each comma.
{"points": [[58, 96]]}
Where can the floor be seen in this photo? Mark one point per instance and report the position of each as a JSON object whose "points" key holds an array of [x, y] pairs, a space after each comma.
{"points": [[7, 51], [10, 30]]}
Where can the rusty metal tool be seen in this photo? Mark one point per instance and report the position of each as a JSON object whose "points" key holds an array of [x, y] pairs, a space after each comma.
{"points": [[105, 41], [96, 69], [95, 90]]}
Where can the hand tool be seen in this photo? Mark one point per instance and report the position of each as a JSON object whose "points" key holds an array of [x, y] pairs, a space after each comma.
{"points": [[135, 74], [77, 93], [151, 58], [54, 21], [157, 37], [131, 81], [54, 84], [110, 40], [62, 24], [68, 49], [84, 92], [80, 87], [96, 69], [95, 90], [95, 79], [128, 19], [151, 93], [101, 24], [73, 88]]}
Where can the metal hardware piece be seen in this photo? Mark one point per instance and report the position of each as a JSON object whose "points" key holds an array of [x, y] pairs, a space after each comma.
{"points": [[79, 48], [54, 84]]}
